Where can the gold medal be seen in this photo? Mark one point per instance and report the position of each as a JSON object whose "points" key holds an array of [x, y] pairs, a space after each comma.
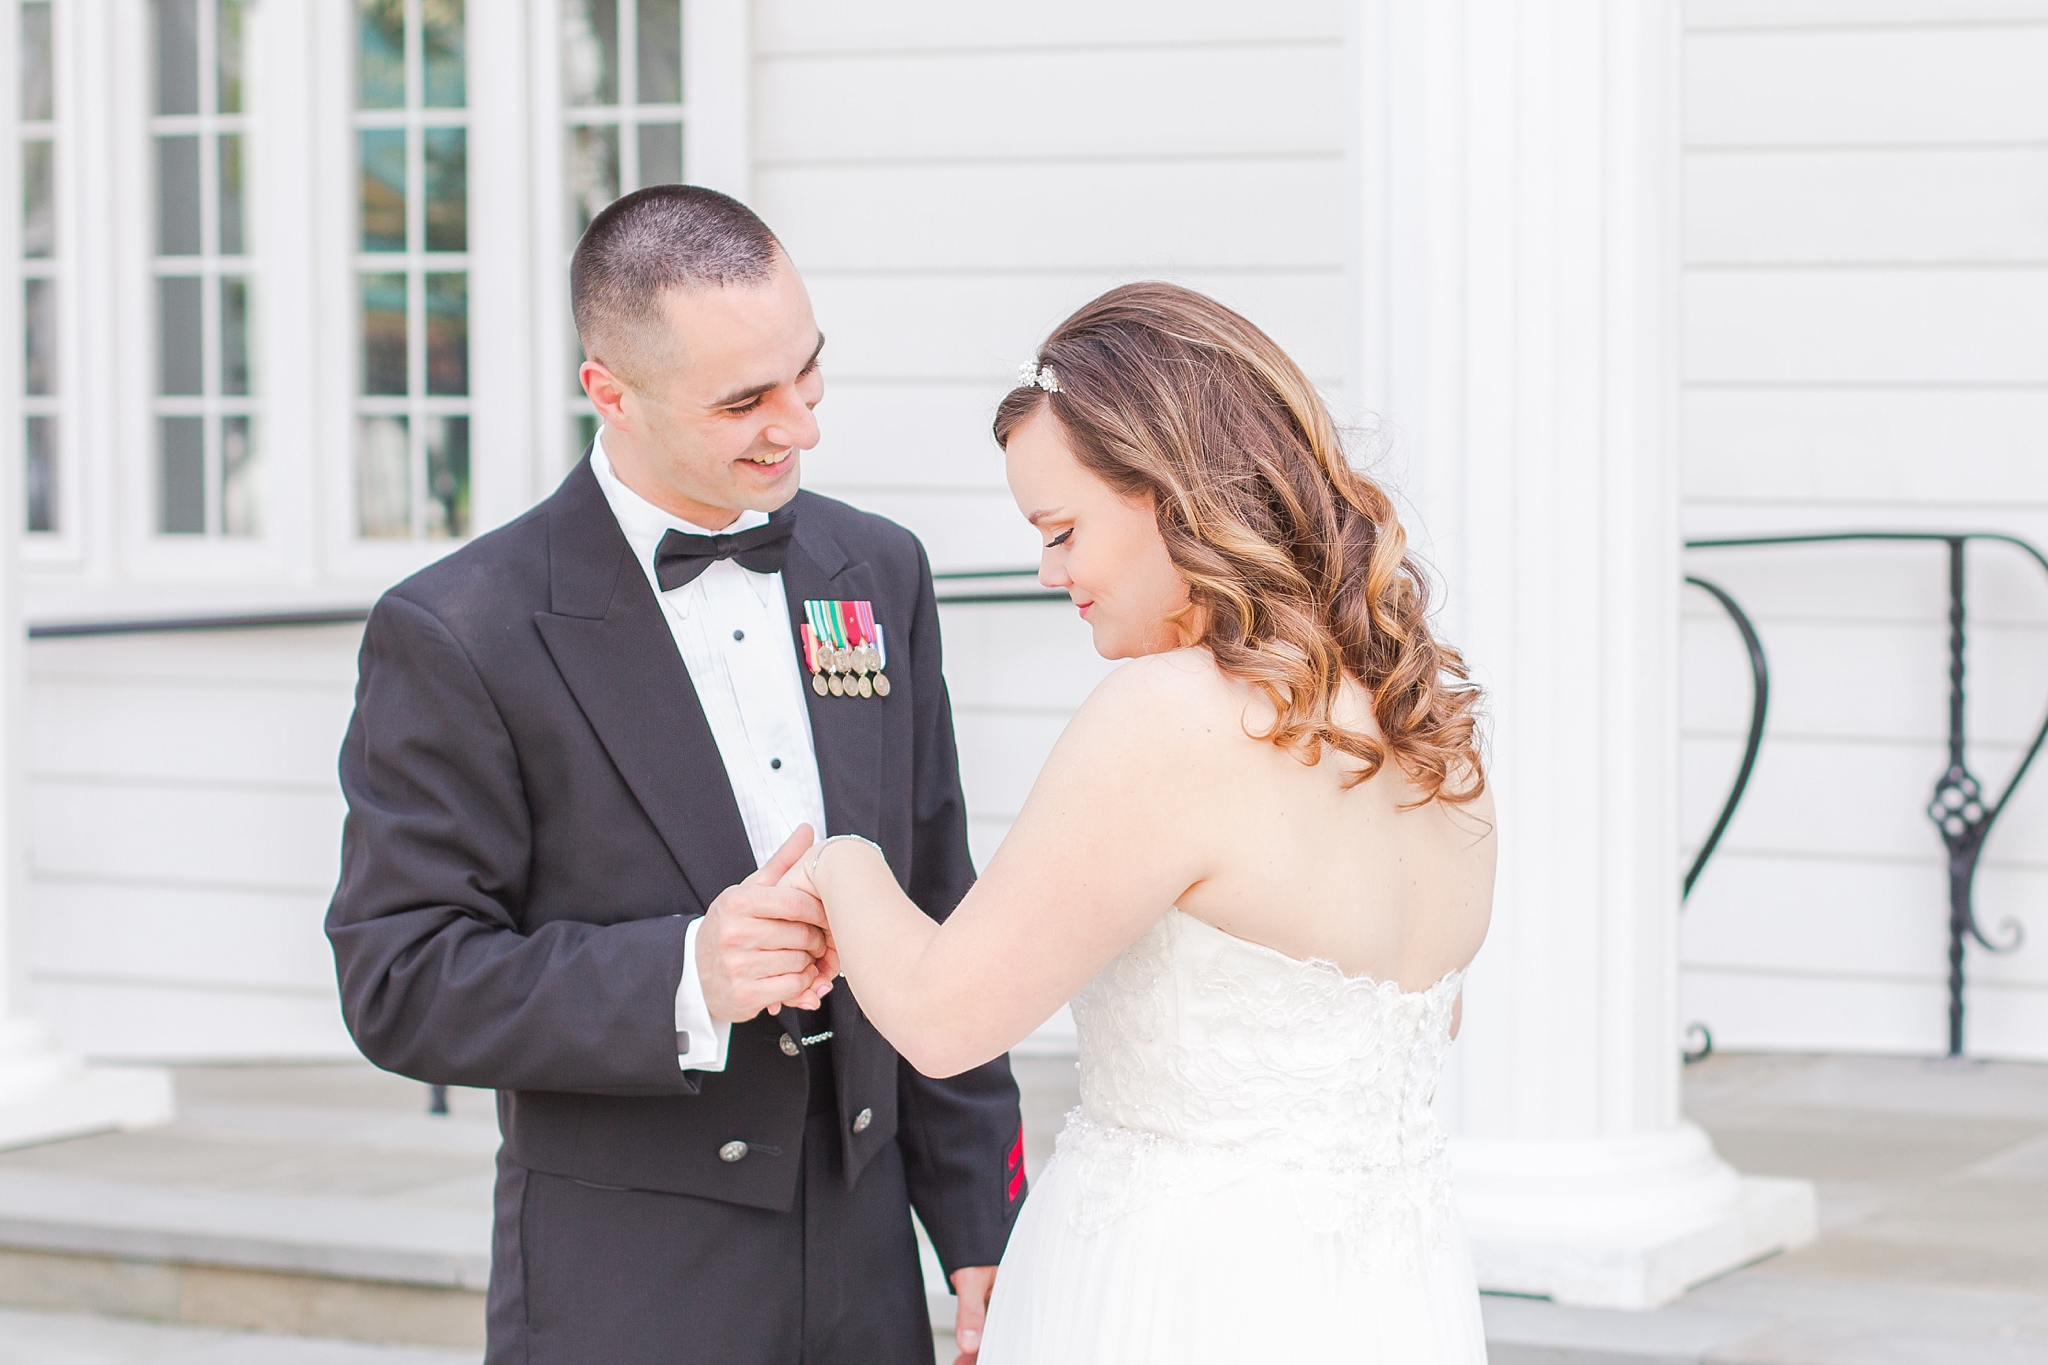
{"points": [[867, 689], [881, 685], [818, 684], [838, 687]]}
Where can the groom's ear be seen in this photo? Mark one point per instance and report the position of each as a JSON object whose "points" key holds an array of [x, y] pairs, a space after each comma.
{"points": [[607, 393]]}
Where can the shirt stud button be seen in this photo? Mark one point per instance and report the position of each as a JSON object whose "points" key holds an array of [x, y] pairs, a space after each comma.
{"points": [[775, 763], [861, 1120], [739, 635], [789, 1048], [732, 1151]]}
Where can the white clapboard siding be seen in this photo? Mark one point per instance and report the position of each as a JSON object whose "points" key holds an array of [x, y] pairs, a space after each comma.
{"points": [[800, 27], [1861, 84], [1706, 15], [1884, 205], [184, 824], [1866, 346], [1936, 448]]}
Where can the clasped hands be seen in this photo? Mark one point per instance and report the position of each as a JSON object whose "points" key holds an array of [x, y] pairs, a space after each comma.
{"points": [[766, 943]]}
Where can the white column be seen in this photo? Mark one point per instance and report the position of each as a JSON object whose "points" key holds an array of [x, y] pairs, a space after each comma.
{"points": [[45, 1092], [1517, 305]]}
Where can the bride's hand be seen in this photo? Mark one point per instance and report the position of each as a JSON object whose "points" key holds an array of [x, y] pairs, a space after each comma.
{"points": [[798, 878]]}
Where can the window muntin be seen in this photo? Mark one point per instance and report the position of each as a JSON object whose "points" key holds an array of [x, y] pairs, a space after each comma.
{"points": [[622, 92], [412, 476], [40, 281], [208, 469]]}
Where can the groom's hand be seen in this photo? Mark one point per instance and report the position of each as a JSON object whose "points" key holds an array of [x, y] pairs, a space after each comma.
{"points": [[973, 1284], [761, 944]]}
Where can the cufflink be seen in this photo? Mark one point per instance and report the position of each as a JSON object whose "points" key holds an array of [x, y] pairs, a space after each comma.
{"points": [[682, 1042]]}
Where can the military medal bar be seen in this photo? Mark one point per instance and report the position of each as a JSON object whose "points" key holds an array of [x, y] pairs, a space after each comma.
{"points": [[843, 648]]}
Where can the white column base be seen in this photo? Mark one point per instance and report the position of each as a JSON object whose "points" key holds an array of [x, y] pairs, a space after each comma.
{"points": [[47, 1093], [1619, 1223]]}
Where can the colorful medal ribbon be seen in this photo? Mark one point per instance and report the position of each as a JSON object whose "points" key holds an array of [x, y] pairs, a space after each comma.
{"points": [[843, 649]]}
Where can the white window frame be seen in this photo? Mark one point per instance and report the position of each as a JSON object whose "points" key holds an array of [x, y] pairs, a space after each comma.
{"points": [[210, 266], [65, 546]]}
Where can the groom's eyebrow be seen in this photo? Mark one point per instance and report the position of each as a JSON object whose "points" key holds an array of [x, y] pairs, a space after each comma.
{"points": [[743, 395]]}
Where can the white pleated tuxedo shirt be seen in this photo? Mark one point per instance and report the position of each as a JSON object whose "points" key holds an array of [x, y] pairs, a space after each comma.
{"points": [[731, 625]]}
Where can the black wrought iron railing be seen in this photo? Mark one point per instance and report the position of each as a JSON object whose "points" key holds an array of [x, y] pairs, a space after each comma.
{"points": [[1961, 813]]}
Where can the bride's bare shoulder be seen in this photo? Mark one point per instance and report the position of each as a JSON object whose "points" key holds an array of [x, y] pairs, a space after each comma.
{"points": [[1180, 694]]}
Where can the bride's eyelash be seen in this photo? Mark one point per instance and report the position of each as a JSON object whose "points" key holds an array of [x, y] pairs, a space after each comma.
{"points": [[1059, 539]]}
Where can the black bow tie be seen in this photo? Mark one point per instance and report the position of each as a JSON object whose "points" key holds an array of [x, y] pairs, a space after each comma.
{"points": [[681, 556]]}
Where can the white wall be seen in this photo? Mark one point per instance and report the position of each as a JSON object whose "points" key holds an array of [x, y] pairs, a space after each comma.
{"points": [[184, 830], [1866, 346]]}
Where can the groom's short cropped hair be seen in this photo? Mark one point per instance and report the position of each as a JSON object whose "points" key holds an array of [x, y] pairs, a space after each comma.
{"points": [[645, 244]]}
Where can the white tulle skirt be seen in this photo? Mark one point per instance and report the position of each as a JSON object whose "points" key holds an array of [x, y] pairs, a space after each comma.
{"points": [[1241, 1267]]}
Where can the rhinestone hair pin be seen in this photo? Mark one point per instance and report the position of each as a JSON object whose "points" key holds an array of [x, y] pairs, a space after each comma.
{"points": [[1032, 375]]}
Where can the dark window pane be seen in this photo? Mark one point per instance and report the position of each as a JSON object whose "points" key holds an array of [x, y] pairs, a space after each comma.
{"points": [[181, 366], [447, 189], [39, 328], [227, 38], [234, 335], [593, 174], [441, 47], [448, 335], [383, 188], [384, 334], [231, 194], [177, 56], [177, 196], [241, 488], [380, 54], [383, 478], [590, 51], [661, 52], [447, 477], [42, 474], [661, 153], [38, 199], [38, 61], [181, 476]]}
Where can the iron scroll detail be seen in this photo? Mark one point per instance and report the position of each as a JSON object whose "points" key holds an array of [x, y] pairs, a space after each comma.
{"points": [[1959, 808]]}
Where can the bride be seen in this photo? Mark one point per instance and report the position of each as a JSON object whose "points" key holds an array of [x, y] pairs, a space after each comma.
{"points": [[1257, 861]]}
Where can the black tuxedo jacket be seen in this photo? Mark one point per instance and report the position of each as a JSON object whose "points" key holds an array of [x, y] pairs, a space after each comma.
{"points": [[536, 810]]}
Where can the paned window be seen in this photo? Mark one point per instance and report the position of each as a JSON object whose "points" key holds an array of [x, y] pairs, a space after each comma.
{"points": [[412, 270], [209, 475], [622, 85], [39, 272]]}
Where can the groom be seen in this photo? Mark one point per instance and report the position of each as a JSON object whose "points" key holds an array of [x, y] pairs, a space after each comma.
{"points": [[579, 747]]}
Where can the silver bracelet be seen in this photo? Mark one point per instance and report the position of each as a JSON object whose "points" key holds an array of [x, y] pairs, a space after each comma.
{"points": [[819, 851]]}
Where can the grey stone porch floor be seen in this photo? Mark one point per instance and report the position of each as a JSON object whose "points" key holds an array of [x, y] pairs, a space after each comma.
{"points": [[315, 1202]]}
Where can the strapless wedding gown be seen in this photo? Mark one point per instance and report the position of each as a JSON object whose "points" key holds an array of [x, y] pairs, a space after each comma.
{"points": [[1253, 1175]]}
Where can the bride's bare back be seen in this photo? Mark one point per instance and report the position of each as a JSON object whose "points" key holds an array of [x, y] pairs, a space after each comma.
{"points": [[1299, 863]]}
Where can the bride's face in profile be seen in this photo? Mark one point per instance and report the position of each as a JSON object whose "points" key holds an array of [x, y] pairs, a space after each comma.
{"points": [[1103, 549]]}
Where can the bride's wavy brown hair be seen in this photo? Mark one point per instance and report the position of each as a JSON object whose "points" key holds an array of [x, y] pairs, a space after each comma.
{"points": [[1297, 568]]}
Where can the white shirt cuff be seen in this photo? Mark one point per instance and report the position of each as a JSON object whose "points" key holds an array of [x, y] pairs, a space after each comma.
{"points": [[700, 1043]]}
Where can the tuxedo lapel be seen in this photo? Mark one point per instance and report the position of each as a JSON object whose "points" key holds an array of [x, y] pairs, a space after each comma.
{"points": [[844, 732], [613, 647]]}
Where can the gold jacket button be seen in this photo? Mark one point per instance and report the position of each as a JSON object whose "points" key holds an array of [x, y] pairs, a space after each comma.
{"points": [[862, 1120], [789, 1048], [732, 1151]]}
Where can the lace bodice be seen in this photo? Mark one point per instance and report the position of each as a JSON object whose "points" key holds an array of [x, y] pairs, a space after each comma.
{"points": [[1205, 1058]]}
